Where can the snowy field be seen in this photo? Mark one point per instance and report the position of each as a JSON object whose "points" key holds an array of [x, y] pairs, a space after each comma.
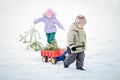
{"points": [[102, 61]]}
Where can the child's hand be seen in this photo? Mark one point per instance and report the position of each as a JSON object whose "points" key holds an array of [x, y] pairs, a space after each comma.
{"points": [[73, 48], [33, 26]]}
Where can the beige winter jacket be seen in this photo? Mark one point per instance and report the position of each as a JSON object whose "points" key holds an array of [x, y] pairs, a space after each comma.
{"points": [[76, 37]]}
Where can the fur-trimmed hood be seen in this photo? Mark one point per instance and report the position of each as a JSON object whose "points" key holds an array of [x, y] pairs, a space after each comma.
{"points": [[74, 27]]}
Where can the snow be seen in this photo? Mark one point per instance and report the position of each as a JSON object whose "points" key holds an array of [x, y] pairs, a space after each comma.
{"points": [[102, 61]]}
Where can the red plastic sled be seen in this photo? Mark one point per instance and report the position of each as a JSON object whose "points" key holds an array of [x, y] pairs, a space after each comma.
{"points": [[53, 55]]}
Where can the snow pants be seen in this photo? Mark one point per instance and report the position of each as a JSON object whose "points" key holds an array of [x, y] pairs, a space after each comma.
{"points": [[79, 57], [50, 37]]}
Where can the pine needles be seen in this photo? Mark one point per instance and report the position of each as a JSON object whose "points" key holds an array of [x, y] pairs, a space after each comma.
{"points": [[32, 38]]}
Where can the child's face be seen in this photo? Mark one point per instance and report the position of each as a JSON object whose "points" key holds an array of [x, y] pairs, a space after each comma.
{"points": [[49, 15], [78, 23], [80, 26]]}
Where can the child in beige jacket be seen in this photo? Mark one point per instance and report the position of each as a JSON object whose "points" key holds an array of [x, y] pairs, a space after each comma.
{"points": [[76, 36]]}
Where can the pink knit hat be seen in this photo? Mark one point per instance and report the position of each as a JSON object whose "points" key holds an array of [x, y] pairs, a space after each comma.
{"points": [[49, 11]]}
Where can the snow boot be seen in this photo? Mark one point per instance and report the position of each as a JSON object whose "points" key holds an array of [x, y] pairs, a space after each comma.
{"points": [[65, 66], [80, 68]]}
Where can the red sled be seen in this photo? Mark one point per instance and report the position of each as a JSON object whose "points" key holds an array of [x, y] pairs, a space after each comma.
{"points": [[53, 55]]}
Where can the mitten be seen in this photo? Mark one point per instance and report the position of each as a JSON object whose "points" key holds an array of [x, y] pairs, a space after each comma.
{"points": [[73, 48]]}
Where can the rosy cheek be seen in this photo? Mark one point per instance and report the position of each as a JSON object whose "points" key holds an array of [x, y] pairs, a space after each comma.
{"points": [[77, 20], [49, 16]]}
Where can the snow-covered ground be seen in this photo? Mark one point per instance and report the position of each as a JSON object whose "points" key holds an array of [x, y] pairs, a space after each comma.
{"points": [[102, 61]]}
